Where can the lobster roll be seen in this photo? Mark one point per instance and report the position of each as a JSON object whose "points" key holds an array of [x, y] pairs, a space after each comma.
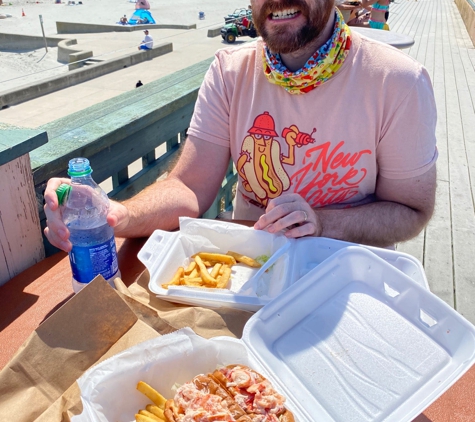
{"points": [[231, 394], [253, 393]]}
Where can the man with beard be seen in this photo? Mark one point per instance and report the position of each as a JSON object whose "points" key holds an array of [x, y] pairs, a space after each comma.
{"points": [[358, 115]]}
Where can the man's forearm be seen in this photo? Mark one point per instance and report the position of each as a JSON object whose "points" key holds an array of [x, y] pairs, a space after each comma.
{"points": [[158, 207], [378, 224]]}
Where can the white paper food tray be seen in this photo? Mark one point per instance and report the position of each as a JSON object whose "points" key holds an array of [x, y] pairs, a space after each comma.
{"points": [[354, 340], [164, 252]]}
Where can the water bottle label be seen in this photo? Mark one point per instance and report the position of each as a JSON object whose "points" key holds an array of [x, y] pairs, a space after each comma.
{"points": [[89, 261]]}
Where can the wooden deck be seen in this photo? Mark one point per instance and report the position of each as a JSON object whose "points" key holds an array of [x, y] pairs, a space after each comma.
{"points": [[447, 246]]}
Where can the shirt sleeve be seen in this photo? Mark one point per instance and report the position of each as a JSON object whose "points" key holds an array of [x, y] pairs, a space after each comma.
{"points": [[210, 121], [408, 144]]}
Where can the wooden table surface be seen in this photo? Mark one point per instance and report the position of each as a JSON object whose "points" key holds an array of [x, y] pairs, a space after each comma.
{"points": [[30, 297]]}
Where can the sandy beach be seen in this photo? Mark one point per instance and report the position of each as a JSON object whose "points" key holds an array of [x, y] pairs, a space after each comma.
{"points": [[23, 67]]}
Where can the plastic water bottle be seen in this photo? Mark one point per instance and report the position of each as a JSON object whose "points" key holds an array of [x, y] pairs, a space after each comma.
{"points": [[84, 206]]}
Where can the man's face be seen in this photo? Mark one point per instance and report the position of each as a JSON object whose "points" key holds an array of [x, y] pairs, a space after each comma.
{"points": [[288, 25]]}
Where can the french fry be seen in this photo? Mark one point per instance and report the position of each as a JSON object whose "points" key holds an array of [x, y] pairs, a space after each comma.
{"points": [[150, 415], [207, 279], [155, 410], [190, 268], [216, 257], [196, 281], [152, 394], [143, 418], [223, 279], [244, 259], [215, 271], [195, 273], [175, 281]]}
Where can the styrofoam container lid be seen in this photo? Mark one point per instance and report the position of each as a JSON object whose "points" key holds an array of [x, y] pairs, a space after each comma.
{"points": [[357, 340], [312, 251], [354, 340]]}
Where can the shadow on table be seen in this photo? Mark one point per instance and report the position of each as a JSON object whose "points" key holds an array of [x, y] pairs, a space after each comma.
{"points": [[422, 418], [15, 300]]}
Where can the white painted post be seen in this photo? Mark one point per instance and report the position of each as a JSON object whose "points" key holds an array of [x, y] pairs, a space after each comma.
{"points": [[21, 241]]}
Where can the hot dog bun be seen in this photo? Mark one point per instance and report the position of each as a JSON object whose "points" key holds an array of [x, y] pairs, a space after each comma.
{"points": [[235, 393]]}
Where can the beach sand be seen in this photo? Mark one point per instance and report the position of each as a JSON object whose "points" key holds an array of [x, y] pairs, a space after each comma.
{"points": [[24, 67]]}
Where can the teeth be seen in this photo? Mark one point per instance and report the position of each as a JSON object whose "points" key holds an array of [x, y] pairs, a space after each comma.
{"points": [[284, 14]]}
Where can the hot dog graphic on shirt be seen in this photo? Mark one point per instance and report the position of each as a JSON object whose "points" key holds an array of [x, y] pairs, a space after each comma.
{"points": [[260, 163]]}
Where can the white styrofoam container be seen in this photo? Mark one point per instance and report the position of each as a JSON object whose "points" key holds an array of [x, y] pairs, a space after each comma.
{"points": [[164, 252], [354, 340]]}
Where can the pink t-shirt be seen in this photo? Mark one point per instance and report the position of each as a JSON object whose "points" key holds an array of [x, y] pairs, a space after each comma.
{"points": [[375, 116]]}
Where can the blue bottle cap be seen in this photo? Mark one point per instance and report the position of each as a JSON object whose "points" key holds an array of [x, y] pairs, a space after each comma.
{"points": [[79, 167]]}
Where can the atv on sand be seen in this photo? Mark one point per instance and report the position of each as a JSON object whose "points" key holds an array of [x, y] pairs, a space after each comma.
{"points": [[242, 26]]}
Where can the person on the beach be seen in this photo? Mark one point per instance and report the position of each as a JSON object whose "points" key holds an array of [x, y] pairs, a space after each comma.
{"points": [[123, 20], [147, 42], [332, 134], [377, 16], [138, 84]]}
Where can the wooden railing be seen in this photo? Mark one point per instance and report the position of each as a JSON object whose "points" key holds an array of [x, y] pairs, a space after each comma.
{"points": [[145, 127]]}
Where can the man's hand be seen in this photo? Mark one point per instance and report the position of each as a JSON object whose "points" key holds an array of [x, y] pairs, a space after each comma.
{"points": [[291, 212], [57, 233], [402, 209]]}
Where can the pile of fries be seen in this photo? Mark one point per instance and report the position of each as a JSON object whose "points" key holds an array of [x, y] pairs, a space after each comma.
{"points": [[209, 270], [152, 412]]}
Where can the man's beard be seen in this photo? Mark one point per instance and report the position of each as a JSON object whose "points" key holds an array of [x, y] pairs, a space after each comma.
{"points": [[284, 40]]}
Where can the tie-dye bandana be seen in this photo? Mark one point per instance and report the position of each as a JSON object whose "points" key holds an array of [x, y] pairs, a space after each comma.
{"points": [[319, 68]]}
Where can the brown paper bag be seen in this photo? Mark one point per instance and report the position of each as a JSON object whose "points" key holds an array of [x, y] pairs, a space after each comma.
{"points": [[38, 384], [207, 322], [94, 324]]}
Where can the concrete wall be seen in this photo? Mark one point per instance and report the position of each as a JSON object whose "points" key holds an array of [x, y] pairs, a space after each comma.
{"points": [[87, 28], [46, 86], [215, 31], [78, 59], [68, 54], [15, 42], [467, 11]]}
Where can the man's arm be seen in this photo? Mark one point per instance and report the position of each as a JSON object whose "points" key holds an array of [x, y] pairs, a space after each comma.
{"points": [[403, 208], [189, 190]]}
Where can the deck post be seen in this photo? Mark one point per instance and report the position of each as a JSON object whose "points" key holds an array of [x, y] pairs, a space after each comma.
{"points": [[21, 242]]}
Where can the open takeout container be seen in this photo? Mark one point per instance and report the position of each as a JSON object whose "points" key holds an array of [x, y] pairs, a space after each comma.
{"points": [[355, 339], [164, 252]]}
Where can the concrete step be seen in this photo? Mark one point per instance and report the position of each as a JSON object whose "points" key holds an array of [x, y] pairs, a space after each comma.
{"points": [[91, 61]]}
